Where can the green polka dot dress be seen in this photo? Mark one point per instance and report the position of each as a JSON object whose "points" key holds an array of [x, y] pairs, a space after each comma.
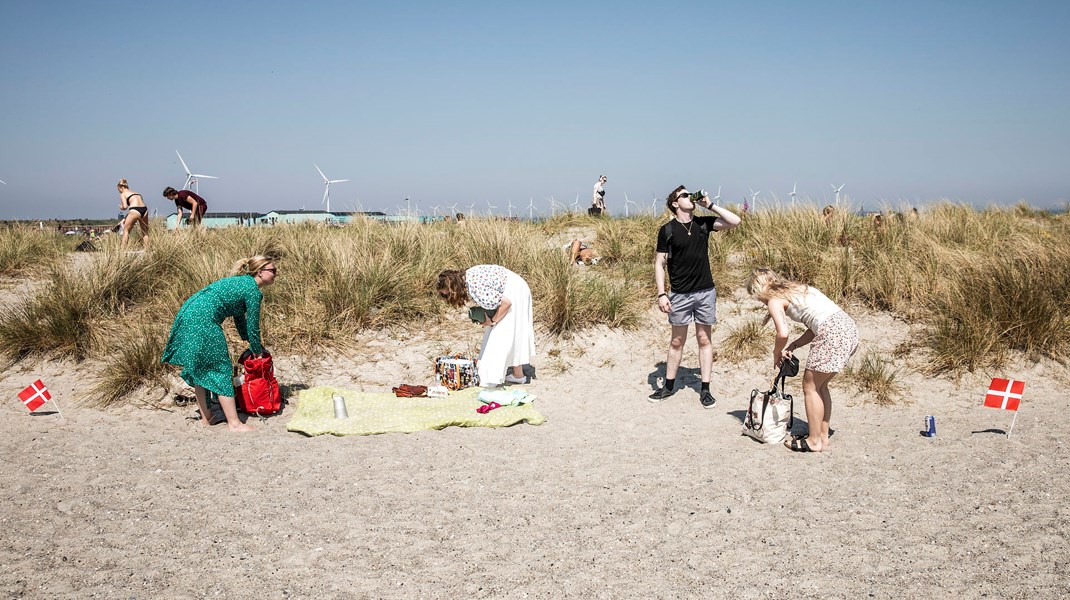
{"points": [[197, 343]]}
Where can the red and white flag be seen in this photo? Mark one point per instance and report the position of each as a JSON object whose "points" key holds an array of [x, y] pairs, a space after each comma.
{"points": [[1005, 394], [35, 395]]}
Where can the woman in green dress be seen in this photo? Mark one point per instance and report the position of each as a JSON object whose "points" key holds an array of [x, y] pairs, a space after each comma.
{"points": [[198, 345]]}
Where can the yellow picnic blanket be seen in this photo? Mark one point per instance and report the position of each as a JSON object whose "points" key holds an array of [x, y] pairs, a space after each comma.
{"points": [[382, 412]]}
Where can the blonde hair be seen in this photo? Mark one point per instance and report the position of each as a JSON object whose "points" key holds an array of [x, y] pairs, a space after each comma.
{"points": [[122, 185], [251, 265], [764, 283]]}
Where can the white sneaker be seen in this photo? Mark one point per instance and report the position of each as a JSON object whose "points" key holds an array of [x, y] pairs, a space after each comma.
{"points": [[510, 379]]}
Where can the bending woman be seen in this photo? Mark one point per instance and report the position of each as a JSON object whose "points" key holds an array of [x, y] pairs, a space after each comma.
{"points": [[834, 336], [136, 212], [198, 345], [509, 340]]}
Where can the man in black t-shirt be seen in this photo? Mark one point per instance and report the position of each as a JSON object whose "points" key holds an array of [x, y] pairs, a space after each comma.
{"points": [[684, 247]]}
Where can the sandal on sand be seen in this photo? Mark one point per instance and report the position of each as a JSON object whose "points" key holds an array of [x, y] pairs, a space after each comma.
{"points": [[486, 408], [799, 445]]}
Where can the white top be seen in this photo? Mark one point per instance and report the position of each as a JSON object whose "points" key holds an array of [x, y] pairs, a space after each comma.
{"points": [[811, 308]]}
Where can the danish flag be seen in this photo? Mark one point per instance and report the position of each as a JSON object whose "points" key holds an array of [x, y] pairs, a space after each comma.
{"points": [[35, 395], [1005, 394]]}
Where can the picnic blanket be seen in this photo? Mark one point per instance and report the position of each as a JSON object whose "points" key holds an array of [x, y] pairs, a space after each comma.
{"points": [[382, 412]]}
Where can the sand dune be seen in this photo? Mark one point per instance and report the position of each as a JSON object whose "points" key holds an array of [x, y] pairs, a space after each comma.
{"points": [[613, 497]]}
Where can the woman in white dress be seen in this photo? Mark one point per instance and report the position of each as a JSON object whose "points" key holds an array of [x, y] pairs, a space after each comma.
{"points": [[509, 340]]}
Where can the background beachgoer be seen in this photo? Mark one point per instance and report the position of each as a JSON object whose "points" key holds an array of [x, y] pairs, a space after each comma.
{"points": [[136, 213], [185, 199], [834, 336], [598, 198], [197, 342], [509, 340]]}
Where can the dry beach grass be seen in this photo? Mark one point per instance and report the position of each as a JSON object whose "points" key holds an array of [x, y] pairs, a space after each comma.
{"points": [[613, 496]]}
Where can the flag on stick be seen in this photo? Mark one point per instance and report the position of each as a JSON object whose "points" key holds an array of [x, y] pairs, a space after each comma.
{"points": [[1005, 394], [35, 395]]}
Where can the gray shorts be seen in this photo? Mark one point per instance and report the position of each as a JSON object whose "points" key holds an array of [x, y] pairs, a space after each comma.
{"points": [[696, 307]]}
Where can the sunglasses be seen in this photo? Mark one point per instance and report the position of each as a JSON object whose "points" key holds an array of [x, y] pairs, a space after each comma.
{"points": [[273, 271]]}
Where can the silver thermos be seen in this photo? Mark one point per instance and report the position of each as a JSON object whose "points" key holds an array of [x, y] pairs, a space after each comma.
{"points": [[340, 407]]}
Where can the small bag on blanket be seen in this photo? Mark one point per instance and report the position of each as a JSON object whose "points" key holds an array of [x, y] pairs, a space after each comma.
{"points": [[771, 415], [456, 372], [256, 391]]}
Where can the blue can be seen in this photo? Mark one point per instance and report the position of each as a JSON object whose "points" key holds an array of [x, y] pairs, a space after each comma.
{"points": [[929, 427]]}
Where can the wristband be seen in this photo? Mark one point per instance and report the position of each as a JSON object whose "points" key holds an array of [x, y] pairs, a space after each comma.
{"points": [[663, 294]]}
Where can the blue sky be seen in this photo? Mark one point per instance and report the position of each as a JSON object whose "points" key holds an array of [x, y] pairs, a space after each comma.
{"points": [[476, 102]]}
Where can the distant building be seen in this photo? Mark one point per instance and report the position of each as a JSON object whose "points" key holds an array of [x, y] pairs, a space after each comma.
{"points": [[220, 219]]}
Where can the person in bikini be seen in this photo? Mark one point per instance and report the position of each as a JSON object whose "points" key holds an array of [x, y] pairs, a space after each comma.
{"points": [[136, 212], [185, 199]]}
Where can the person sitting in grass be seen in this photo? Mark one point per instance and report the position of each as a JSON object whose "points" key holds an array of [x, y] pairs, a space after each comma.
{"points": [[197, 342], [509, 339], [834, 336], [582, 253]]}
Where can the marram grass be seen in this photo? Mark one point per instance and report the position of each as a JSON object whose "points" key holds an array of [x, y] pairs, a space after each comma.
{"points": [[977, 285]]}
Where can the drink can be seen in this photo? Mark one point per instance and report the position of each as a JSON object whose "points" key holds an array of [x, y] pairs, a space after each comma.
{"points": [[929, 427], [699, 195]]}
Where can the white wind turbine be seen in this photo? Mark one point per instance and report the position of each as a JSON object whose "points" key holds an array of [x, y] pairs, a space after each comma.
{"points": [[453, 209], [653, 203], [531, 208], [627, 213], [192, 178], [793, 194], [511, 209], [490, 208], [576, 204], [327, 187], [753, 196], [472, 209], [837, 190]]}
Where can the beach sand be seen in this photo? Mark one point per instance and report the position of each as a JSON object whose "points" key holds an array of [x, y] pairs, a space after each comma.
{"points": [[613, 497]]}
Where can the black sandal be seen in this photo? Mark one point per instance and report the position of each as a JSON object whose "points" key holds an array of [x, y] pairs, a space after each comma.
{"points": [[799, 445]]}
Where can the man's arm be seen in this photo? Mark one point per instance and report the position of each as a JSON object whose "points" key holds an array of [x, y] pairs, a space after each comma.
{"points": [[659, 279], [726, 219]]}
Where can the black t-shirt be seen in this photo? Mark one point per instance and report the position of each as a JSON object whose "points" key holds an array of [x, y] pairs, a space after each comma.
{"points": [[689, 255]]}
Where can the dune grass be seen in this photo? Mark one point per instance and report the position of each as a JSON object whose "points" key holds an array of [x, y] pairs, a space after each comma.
{"points": [[875, 379], [977, 284], [26, 250]]}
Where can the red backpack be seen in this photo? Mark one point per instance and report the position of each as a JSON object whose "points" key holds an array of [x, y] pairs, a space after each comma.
{"points": [[258, 393]]}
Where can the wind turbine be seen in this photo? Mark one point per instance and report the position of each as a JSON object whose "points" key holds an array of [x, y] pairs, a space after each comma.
{"points": [[753, 196], [531, 208], [472, 209], [837, 190], [793, 194], [327, 187], [490, 208], [192, 178], [718, 196], [576, 204], [453, 210], [510, 209], [626, 203], [653, 203]]}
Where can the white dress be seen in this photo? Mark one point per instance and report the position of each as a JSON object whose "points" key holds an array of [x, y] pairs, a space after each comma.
{"points": [[512, 341]]}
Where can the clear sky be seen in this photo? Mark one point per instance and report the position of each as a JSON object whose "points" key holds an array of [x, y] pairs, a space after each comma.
{"points": [[476, 102]]}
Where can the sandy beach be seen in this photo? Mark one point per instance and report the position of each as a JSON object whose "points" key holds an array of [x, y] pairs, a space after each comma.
{"points": [[613, 497]]}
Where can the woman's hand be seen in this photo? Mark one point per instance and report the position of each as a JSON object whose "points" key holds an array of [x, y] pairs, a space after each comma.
{"points": [[487, 322]]}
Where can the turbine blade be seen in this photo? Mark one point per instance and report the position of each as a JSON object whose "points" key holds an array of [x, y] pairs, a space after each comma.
{"points": [[338, 180], [183, 163], [205, 176], [321, 172]]}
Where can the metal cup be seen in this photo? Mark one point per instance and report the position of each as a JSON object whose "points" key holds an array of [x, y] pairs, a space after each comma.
{"points": [[340, 407]]}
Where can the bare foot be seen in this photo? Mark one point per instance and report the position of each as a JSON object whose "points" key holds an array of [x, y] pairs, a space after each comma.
{"points": [[240, 427]]}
